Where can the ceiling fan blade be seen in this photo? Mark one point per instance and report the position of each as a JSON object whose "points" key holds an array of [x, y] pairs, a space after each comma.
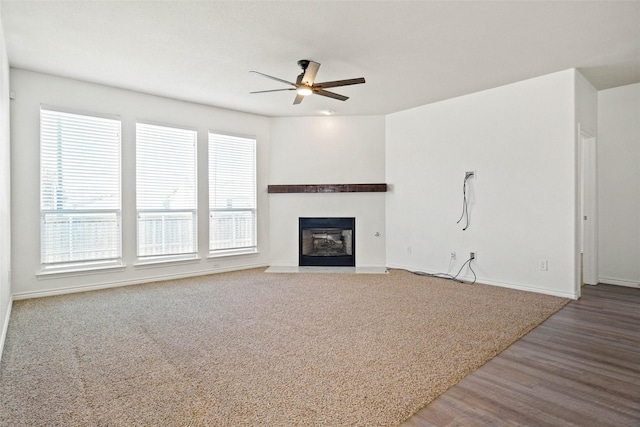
{"points": [[298, 99], [340, 83], [330, 94], [310, 73], [273, 78], [272, 90]]}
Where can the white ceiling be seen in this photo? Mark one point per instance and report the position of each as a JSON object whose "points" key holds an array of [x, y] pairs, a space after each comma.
{"points": [[411, 53]]}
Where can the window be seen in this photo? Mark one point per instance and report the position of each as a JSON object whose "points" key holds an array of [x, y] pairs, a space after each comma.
{"points": [[79, 190], [166, 191], [232, 194]]}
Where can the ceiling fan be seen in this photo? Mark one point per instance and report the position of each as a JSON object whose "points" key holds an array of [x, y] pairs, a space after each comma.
{"points": [[305, 85]]}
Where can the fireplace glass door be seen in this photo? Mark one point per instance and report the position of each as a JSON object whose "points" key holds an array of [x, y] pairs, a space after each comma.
{"points": [[327, 242]]}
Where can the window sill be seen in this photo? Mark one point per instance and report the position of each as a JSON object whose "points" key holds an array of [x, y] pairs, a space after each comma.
{"points": [[79, 269], [165, 260], [232, 252]]}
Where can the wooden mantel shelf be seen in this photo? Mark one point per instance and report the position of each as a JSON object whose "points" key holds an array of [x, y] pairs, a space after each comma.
{"points": [[328, 188]]}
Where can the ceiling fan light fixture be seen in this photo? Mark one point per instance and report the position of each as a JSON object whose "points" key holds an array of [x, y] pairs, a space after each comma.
{"points": [[304, 90]]}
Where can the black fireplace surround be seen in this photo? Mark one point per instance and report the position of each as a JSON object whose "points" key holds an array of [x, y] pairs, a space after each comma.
{"points": [[329, 242]]}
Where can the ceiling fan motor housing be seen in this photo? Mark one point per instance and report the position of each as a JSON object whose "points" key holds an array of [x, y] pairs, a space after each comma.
{"points": [[303, 63]]}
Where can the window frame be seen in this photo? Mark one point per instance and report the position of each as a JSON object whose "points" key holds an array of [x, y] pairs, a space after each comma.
{"points": [[143, 260], [236, 250], [86, 264]]}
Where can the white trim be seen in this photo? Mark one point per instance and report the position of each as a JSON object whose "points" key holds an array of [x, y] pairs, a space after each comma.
{"points": [[221, 253], [619, 282], [160, 260], [79, 271], [527, 288], [517, 286], [119, 283], [5, 327]]}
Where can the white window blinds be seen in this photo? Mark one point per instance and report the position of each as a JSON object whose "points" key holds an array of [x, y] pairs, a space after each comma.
{"points": [[166, 190], [79, 189], [232, 193]]}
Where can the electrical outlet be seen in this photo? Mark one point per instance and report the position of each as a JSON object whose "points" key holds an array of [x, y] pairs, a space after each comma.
{"points": [[408, 249], [543, 265], [473, 255], [453, 256]]}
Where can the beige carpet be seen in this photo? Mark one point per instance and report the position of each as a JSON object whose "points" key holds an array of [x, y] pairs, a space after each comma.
{"points": [[251, 348]]}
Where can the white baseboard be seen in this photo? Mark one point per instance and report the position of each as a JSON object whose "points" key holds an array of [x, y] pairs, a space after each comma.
{"points": [[570, 295], [619, 282], [5, 327], [518, 286], [118, 283]]}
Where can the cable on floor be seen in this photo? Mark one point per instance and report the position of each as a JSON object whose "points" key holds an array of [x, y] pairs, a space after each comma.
{"points": [[444, 275]]}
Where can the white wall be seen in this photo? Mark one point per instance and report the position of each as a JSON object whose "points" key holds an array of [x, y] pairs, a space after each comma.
{"points": [[586, 99], [619, 185], [5, 205], [521, 141], [33, 89], [328, 150]]}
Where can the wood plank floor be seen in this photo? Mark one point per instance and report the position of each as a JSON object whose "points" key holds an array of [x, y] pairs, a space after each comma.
{"points": [[579, 368]]}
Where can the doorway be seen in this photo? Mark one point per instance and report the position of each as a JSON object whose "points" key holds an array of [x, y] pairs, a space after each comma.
{"points": [[588, 208]]}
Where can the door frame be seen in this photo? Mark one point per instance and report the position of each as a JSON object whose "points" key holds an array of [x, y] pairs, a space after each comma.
{"points": [[588, 206]]}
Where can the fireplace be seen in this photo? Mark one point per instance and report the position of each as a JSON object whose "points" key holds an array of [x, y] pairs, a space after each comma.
{"points": [[327, 242]]}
